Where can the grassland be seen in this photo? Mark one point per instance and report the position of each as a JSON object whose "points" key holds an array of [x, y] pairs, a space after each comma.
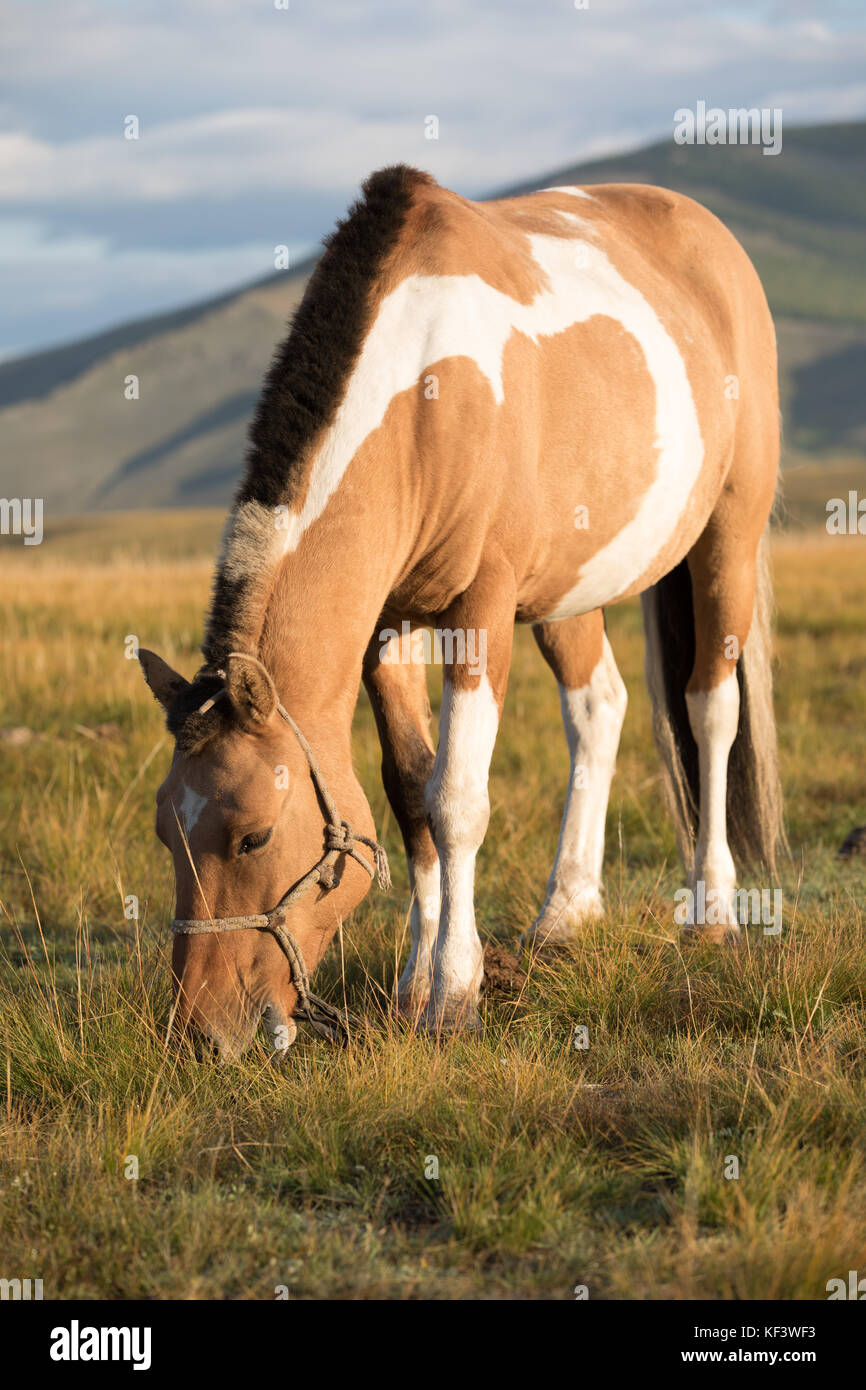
{"points": [[557, 1167]]}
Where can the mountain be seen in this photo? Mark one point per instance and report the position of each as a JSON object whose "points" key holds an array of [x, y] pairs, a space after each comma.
{"points": [[71, 436]]}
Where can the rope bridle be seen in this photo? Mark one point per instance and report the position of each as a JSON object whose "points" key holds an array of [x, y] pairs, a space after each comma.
{"points": [[327, 1020]]}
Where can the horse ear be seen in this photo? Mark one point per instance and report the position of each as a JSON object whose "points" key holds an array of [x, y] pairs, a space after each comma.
{"points": [[165, 683], [250, 689]]}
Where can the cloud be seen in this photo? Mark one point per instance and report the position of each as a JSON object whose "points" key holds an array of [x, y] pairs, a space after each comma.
{"points": [[256, 121], [834, 103], [260, 149], [83, 282]]}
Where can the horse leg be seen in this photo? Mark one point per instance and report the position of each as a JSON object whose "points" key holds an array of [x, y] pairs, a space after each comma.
{"points": [[722, 566], [479, 628], [398, 694], [593, 701]]}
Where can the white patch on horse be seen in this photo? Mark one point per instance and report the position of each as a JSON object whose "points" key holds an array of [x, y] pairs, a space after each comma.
{"points": [[573, 219], [191, 808], [459, 809], [414, 982], [428, 893], [714, 717], [569, 188], [592, 717], [435, 317]]}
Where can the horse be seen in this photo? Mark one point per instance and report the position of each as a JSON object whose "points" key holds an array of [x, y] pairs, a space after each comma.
{"points": [[520, 410]]}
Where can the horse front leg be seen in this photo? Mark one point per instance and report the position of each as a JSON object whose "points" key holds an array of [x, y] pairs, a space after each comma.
{"points": [[397, 688], [476, 637], [593, 701]]}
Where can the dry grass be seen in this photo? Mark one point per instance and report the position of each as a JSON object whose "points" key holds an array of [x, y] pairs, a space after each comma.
{"points": [[557, 1167]]}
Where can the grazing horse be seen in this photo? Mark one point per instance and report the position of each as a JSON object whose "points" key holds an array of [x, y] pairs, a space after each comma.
{"points": [[523, 409]]}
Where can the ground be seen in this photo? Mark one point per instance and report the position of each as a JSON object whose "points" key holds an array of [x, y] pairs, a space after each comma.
{"points": [[558, 1166]]}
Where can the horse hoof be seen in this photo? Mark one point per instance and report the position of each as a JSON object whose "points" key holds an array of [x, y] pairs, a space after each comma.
{"points": [[559, 928], [549, 941], [462, 1016], [725, 934], [410, 1006]]}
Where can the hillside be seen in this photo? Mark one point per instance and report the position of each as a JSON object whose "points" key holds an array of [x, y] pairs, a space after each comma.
{"points": [[71, 437]]}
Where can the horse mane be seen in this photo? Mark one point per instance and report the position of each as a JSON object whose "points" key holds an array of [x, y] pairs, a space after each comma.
{"points": [[305, 384], [310, 368]]}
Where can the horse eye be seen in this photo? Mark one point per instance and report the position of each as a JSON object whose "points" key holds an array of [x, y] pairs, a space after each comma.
{"points": [[255, 840]]}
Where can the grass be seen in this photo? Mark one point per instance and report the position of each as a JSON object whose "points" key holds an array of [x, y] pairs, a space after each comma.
{"points": [[557, 1166]]}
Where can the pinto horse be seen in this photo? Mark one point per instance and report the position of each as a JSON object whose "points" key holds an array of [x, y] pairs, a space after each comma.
{"points": [[484, 412]]}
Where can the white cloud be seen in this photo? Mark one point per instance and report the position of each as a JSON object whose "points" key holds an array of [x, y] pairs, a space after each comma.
{"points": [[253, 149], [834, 103], [239, 102]]}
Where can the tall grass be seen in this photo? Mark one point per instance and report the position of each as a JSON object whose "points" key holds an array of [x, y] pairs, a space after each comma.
{"points": [[557, 1165]]}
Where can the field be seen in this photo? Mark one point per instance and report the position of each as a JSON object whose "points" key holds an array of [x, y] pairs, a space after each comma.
{"points": [[557, 1167]]}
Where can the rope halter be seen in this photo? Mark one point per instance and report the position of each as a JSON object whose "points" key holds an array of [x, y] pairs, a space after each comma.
{"points": [[327, 1020]]}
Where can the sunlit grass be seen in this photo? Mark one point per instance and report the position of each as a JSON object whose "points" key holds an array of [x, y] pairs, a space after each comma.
{"points": [[557, 1166]]}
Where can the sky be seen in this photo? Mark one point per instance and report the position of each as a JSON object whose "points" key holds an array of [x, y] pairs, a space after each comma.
{"points": [[257, 123]]}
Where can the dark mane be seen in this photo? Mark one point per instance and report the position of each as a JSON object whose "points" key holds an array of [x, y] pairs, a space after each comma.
{"points": [[302, 392], [311, 367]]}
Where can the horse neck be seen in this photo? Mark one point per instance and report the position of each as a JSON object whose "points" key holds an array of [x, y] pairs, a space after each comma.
{"points": [[322, 612]]}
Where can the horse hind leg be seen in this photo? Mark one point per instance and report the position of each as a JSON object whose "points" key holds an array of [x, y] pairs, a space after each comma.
{"points": [[593, 701], [730, 712], [397, 688]]}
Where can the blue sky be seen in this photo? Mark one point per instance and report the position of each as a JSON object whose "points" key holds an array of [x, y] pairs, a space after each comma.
{"points": [[257, 123]]}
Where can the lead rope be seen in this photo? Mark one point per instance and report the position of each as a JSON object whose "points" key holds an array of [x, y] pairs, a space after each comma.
{"points": [[327, 1020], [339, 836]]}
